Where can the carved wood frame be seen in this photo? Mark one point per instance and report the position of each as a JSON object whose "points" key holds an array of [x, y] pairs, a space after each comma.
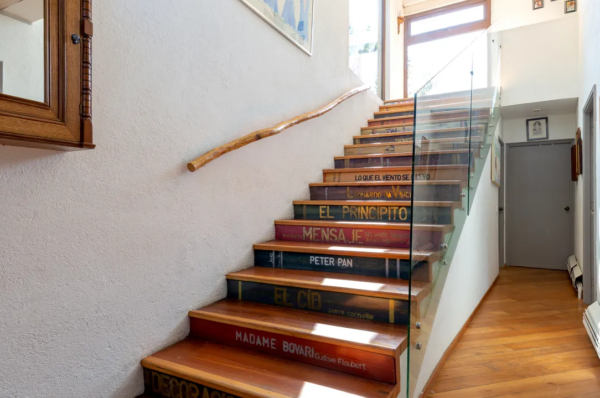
{"points": [[64, 120]]}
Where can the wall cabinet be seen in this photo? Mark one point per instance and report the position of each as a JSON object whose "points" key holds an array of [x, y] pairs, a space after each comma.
{"points": [[46, 74]]}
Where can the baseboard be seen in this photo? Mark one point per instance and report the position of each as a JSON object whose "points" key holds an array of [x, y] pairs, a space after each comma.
{"points": [[450, 349]]}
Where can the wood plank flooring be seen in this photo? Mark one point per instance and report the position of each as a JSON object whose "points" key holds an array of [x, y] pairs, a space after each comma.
{"points": [[526, 341]]}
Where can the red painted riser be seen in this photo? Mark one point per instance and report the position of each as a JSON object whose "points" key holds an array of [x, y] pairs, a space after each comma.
{"points": [[344, 359], [357, 236]]}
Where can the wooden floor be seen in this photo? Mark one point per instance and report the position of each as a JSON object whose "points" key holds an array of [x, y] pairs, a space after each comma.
{"points": [[526, 341]]}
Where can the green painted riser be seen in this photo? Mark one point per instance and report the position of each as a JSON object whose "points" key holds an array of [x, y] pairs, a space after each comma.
{"points": [[335, 303], [424, 214], [351, 265]]}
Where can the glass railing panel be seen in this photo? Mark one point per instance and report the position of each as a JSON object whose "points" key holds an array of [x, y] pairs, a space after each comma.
{"points": [[454, 122]]}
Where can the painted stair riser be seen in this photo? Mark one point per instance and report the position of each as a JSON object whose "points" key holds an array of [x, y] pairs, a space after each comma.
{"points": [[423, 110], [407, 102], [440, 215], [408, 137], [162, 385], [403, 161], [348, 360], [427, 119], [439, 192], [359, 237], [439, 125], [421, 174], [396, 113], [366, 266], [407, 147], [328, 302]]}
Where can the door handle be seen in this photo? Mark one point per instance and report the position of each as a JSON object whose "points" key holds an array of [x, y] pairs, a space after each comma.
{"points": [[500, 208], [567, 208]]}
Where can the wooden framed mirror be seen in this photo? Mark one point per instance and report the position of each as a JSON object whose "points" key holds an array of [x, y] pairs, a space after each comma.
{"points": [[46, 74]]}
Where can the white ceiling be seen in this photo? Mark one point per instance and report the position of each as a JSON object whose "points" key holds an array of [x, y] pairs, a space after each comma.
{"points": [[28, 11], [554, 107]]}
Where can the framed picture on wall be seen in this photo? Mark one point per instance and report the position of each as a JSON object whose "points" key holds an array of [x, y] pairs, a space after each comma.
{"points": [[579, 145], [496, 160], [537, 129], [537, 4], [292, 18], [570, 6], [574, 163]]}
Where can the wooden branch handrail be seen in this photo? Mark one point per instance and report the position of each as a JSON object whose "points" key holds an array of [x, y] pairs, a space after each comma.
{"points": [[260, 134]]}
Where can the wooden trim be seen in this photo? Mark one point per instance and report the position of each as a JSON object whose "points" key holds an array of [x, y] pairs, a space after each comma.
{"points": [[260, 134], [375, 203], [366, 225], [384, 183], [450, 349], [63, 121], [394, 289], [443, 33], [398, 169], [383, 46], [87, 31]]}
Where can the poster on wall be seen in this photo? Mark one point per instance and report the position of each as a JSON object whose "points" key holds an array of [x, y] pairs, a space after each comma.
{"points": [[292, 18], [537, 129], [496, 161]]}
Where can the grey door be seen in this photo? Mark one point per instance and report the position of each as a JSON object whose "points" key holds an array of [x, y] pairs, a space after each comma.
{"points": [[539, 205], [501, 206]]}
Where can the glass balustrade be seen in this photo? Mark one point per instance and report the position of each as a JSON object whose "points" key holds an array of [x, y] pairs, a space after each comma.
{"points": [[455, 120]]}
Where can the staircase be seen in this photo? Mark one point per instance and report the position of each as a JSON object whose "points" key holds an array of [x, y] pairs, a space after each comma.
{"points": [[325, 310]]}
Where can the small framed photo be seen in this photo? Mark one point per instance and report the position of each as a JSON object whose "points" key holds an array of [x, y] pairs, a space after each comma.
{"points": [[537, 4], [537, 129], [570, 6]]}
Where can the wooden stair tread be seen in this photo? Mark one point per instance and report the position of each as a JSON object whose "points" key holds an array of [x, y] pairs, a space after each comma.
{"points": [[367, 225], [407, 124], [249, 373], [385, 183], [410, 133], [398, 168], [350, 332], [435, 104], [412, 116], [389, 155], [395, 289], [373, 203], [339, 250], [475, 139]]}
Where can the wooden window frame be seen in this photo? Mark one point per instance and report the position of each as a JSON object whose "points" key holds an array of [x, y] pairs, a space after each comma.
{"points": [[64, 120], [443, 33]]}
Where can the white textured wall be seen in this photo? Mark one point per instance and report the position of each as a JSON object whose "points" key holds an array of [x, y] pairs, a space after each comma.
{"points": [[589, 59], [470, 274], [104, 252], [22, 58], [540, 62], [560, 127]]}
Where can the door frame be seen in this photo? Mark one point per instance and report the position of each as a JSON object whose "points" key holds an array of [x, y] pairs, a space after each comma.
{"points": [[502, 204], [590, 268]]}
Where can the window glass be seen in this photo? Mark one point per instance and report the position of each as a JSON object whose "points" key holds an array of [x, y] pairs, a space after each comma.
{"points": [[366, 42], [447, 20], [427, 59]]}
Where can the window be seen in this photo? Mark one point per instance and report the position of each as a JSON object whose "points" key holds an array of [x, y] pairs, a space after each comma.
{"points": [[367, 43], [432, 39]]}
